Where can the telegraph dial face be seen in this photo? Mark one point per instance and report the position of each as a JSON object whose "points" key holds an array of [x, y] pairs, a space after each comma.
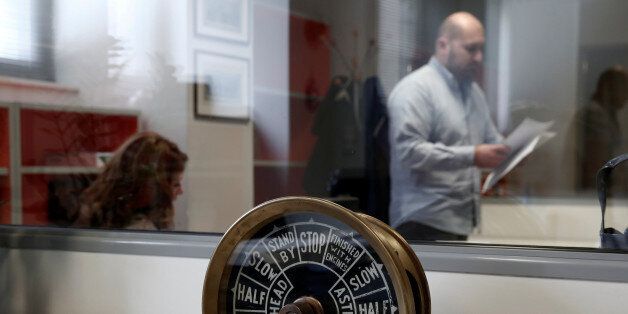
{"points": [[302, 247], [309, 254]]}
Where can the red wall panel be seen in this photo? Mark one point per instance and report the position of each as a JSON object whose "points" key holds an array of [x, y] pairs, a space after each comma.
{"points": [[5, 200], [302, 141], [70, 138], [310, 57], [62, 138], [35, 199], [274, 182], [4, 138]]}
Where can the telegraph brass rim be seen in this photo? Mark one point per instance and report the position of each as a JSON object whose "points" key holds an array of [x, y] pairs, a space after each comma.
{"points": [[243, 229], [400, 247]]}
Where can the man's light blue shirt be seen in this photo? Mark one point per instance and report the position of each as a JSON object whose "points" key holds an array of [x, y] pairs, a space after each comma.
{"points": [[435, 124]]}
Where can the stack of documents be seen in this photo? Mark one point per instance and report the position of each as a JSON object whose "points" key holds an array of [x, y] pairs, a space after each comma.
{"points": [[527, 137]]}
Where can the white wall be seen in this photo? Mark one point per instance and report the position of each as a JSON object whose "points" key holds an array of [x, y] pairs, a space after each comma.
{"points": [[221, 176], [537, 72], [36, 281], [81, 48], [571, 222], [41, 281], [15, 90], [603, 22], [473, 293], [122, 54], [271, 77]]}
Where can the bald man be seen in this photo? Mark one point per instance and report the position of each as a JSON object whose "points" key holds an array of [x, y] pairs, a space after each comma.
{"points": [[440, 133]]}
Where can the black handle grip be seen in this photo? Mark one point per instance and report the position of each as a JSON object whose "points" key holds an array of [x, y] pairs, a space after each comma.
{"points": [[602, 182]]}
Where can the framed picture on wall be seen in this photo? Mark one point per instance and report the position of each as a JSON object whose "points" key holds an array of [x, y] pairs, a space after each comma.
{"points": [[221, 88], [225, 19]]}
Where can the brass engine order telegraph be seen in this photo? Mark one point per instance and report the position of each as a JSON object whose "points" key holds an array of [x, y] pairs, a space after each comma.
{"points": [[308, 255]]}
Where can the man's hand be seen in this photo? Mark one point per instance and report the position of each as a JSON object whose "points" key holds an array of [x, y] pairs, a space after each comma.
{"points": [[490, 155]]}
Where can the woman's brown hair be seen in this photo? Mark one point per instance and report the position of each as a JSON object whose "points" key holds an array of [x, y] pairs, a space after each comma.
{"points": [[611, 91], [136, 181]]}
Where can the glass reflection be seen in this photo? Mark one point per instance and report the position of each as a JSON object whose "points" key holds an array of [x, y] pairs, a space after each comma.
{"points": [[276, 98]]}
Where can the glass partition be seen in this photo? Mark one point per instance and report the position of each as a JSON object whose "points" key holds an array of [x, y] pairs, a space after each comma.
{"points": [[376, 105]]}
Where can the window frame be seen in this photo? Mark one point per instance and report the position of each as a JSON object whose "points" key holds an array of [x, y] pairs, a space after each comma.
{"points": [[42, 66], [502, 260]]}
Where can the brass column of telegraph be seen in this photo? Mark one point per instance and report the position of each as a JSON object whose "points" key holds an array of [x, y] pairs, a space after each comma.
{"points": [[308, 255]]}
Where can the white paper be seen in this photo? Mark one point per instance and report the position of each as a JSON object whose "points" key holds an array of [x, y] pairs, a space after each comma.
{"points": [[528, 136]]}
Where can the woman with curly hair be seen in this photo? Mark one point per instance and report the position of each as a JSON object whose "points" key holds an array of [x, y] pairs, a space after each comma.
{"points": [[137, 187]]}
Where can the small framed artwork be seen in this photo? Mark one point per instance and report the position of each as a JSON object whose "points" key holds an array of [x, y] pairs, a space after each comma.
{"points": [[221, 88], [225, 19]]}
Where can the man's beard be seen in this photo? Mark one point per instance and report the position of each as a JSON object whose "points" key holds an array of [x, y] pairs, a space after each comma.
{"points": [[467, 73], [470, 73]]}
